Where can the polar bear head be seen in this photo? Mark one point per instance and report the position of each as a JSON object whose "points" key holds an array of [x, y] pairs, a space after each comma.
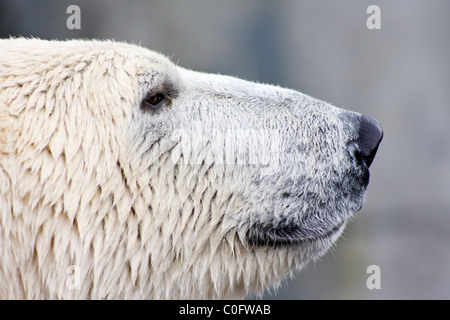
{"points": [[123, 175]]}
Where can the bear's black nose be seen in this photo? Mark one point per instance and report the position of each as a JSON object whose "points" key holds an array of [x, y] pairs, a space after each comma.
{"points": [[365, 146]]}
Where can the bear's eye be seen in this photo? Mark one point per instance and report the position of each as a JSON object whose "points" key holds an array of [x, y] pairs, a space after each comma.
{"points": [[153, 101]]}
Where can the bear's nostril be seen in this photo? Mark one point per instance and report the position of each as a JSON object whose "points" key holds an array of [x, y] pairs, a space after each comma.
{"points": [[366, 145], [354, 151]]}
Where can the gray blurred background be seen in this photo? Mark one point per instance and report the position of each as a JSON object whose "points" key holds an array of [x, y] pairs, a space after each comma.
{"points": [[399, 74]]}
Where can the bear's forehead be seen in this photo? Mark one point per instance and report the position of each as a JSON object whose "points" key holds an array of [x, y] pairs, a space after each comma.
{"points": [[132, 57]]}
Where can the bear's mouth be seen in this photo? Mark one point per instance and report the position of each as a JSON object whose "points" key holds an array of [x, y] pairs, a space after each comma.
{"points": [[290, 234]]}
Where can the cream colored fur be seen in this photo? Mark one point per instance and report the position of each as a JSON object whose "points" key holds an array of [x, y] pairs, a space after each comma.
{"points": [[94, 199]]}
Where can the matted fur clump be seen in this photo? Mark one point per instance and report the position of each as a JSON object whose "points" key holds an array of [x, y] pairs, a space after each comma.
{"points": [[123, 175]]}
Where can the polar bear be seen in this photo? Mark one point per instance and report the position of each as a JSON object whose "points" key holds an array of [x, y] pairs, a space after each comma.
{"points": [[125, 176]]}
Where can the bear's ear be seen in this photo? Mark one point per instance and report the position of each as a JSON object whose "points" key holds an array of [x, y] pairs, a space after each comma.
{"points": [[153, 101]]}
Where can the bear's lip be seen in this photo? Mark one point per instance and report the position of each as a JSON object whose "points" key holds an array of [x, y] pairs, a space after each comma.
{"points": [[289, 235]]}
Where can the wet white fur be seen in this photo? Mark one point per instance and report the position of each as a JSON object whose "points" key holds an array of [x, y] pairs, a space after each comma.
{"points": [[100, 198]]}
